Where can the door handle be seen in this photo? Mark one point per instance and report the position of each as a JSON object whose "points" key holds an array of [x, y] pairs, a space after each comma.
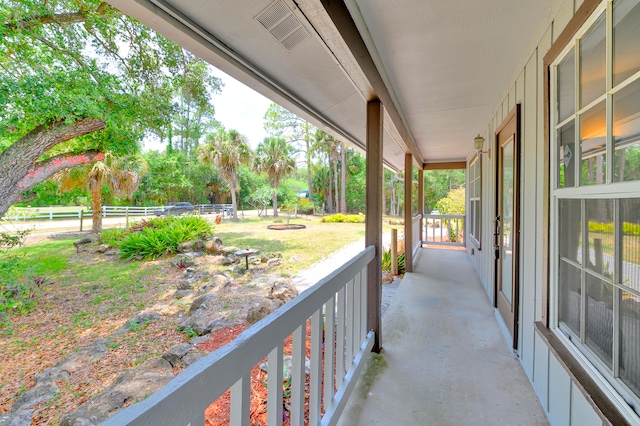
{"points": [[496, 240]]}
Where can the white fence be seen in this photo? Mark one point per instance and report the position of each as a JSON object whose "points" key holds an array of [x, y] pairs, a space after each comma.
{"points": [[60, 212], [444, 229], [337, 309]]}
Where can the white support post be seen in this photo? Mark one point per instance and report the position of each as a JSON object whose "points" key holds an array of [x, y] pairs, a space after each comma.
{"points": [[349, 325], [329, 350], [340, 337]]}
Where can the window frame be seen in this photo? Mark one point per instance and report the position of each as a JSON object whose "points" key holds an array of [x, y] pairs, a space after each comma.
{"points": [[567, 43], [474, 226]]}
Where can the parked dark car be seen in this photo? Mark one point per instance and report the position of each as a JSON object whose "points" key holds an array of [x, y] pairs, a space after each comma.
{"points": [[175, 209]]}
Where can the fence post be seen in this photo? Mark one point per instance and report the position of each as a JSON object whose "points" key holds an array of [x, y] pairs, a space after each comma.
{"points": [[81, 217], [126, 215], [50, 212], [394, 251]]}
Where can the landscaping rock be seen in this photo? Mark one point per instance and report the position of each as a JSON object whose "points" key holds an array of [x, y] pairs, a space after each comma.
{"points": [[192, 356], [229, 250], [28, 400], [132, 385], [274, 262], [387, 278], [198, 246], [85, 240], [215, 284], [181, 294], [112, 253], [204, 321], [175, 354], [90, 353], [185, 247], [19, 418], [103, 248], [230, 260], [283, 289], [201, 302], [261, 309], [138, 320], [183, 260]]}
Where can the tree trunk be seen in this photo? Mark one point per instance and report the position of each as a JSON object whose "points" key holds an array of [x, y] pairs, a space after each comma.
{"points": [[275, 202], [19, 167], [343, 179], [335, 185], [330, 197], [308, 143], [96, 207], [233, 199]]}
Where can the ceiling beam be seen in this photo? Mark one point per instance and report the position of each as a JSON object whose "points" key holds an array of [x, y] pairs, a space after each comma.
{"points": [[449, 165], [339, 14]]}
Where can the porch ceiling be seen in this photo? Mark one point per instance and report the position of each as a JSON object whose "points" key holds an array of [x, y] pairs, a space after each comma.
{"points": [[444, 63]]}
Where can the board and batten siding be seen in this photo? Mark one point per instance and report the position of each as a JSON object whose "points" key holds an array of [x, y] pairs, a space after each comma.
{"points": [[561, 399]]}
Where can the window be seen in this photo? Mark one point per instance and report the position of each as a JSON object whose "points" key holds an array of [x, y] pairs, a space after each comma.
{"points": [[474, 200], [595, 118]]}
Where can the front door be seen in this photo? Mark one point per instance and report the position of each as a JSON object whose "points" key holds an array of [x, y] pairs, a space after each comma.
{"points": [[507, 226]]}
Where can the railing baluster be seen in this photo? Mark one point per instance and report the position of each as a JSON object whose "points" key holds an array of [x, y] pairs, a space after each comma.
{"points": [[349, 325], [357, 338], [340, 338], [298, 355], [364, 282], [274, 386], [315, 382], [241, 401], [329, 350]]}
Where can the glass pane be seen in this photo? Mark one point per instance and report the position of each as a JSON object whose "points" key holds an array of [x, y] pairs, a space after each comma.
{"points": [[630, 341], [566, 153], [570, 230], [567, 87], [569, 294], [631, 243], [599, 322], [600, 236], [626, 39], [592, 63], [593, 144], [626, 132], [507, 220]]}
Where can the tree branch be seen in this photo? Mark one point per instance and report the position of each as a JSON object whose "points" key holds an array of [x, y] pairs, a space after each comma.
{"points": [[42, 170], [103, 10]]}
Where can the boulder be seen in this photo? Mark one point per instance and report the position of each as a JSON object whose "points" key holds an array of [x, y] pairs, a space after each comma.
{"points": [[212, 247], [103, 248], [387, 278], [283, 289], [229, 260], [201, 302], [204, 321], [215, 284], [181, 294], [28, 400], [130, 386], [85, 240], [261, 309], [198, 246], [183, 260], [229, 250], [185, 247], [175, 354]]}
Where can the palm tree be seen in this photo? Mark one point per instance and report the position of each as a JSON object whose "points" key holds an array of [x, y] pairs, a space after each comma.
{"points": [[227, 150], [121, 174], [328, 145], [275, 157]]}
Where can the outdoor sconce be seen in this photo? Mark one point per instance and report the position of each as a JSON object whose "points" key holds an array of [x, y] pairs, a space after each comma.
{"points": [[478, 142]]}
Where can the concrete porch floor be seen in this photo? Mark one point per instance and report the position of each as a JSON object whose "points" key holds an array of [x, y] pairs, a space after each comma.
{"points": [[445, 360]]}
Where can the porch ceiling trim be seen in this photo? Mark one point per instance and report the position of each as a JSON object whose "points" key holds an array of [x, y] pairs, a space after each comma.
{"points": [[351, 39]]}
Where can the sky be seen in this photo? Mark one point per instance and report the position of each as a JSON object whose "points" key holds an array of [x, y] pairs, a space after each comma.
{"points": [[237, 107]]}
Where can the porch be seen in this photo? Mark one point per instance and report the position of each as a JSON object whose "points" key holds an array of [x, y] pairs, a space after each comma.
{"points": [[445, 360]]}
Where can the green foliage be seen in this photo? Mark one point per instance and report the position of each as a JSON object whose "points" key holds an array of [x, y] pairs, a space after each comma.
{"points": [[305, 207], [162, 236], [628, 228], [438, 183], [386, 262], [113, 236], [344, 218], [453, 203]]}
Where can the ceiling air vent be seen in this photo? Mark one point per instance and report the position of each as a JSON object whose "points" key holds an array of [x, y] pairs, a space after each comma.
{"points": [[278, 19]]}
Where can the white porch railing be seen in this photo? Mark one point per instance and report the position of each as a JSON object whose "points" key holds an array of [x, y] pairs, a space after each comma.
{"points": [[337, 307], [444, 229], [416, 235]]}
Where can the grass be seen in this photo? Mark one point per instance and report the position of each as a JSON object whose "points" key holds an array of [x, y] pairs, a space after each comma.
{"points": [[308, 245]]}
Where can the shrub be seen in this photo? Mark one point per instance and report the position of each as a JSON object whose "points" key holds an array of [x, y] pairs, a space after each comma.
{"points": [[305, 207], [162, 236], [343, 218], [386, 262], [113, 236]]}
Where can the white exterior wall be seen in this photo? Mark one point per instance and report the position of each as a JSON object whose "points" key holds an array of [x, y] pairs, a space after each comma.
{"points": [[562, 401]]}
